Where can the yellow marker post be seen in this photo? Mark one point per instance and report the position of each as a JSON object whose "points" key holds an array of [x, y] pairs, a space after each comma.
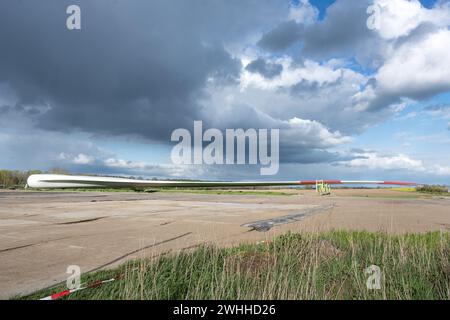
{"points": [[323, 188]]}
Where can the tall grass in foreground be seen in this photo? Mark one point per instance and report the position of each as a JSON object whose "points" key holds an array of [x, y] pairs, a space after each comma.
{"points": [[292, 266]]}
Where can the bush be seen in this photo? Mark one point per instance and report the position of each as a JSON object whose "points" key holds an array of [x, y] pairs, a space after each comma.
{"points": [[432, 189], [14, 178]]}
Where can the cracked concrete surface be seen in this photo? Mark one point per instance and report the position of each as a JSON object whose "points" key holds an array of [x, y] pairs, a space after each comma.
{"points": [[42, 233]]}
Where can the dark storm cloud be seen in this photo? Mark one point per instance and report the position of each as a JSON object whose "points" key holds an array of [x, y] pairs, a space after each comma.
{"points": [[305, 88], [282, 37], [5, 109], [266, 69], [295, 154], [343, 32], [136, 67]]}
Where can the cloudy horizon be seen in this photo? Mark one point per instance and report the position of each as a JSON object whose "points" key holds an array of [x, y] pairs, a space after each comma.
{"points": [[351, 101]]}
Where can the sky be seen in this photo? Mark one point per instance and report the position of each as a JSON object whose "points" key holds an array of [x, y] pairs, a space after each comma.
{"points": [[352, 100]]}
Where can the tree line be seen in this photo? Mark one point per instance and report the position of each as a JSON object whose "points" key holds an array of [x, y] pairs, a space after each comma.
{"points": [[18, 179]]}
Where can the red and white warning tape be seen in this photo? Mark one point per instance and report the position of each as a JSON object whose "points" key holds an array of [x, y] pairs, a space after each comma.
{"points": [[64, 293]]}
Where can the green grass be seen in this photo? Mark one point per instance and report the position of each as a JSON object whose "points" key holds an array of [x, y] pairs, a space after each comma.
{"points": [[292, 266]]}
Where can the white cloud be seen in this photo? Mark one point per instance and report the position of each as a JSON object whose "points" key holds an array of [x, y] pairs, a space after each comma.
{"points": [[304, 13], [149, 169], [409, 115], [440, 170], [278, 108], [83, 159], [374, 161], [314, 134], [322, 92], [432, 138], [412, 66], [418, 68], [399, 17], [414, 70], [80, 158], [310, 71], [125, 164], [438, 111]]}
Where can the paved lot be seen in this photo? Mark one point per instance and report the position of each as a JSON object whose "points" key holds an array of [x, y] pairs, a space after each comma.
{"points": [[41, 233]]}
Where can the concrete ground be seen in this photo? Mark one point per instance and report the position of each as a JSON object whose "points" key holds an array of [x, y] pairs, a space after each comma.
{"points": [[42, 233]]}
